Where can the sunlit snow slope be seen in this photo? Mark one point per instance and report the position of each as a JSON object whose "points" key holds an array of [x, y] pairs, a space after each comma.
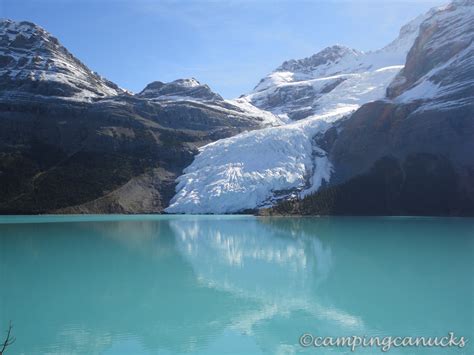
{"points": [[257, 168]]}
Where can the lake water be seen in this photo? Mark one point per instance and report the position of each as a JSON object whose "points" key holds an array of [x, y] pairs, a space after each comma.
{"points": [[231, 284]]}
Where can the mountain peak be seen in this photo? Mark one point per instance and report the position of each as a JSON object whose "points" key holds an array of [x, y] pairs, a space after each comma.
{"points": [[187, 82], [33, 62], [329, 54], [180, 89], [17, 27], [25, 35]]}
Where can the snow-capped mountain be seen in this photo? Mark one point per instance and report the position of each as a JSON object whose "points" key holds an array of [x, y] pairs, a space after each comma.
{"points": [[258, 168], [63, 125], [300, 88], [33, 62], [255, 169]]}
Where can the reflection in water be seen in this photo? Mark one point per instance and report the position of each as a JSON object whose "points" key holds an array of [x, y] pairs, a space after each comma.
{"points": [[240, 284], [260, 263]]}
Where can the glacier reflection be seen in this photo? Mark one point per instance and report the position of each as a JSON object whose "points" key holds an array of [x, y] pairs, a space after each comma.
{"points": [[261, 262]]}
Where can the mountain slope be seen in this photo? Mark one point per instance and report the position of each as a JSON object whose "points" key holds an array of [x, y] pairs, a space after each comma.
{"points": [[256, 169]]}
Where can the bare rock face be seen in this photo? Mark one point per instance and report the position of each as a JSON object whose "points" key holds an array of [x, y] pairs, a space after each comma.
{"points": [[143, 193], [385, 129], [440, 62]]}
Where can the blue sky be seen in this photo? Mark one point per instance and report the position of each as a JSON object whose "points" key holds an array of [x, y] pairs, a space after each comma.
{"points": [[229, 45]]}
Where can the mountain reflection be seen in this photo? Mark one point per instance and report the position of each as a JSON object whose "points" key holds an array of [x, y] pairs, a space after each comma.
{"points": [[187, 284]]}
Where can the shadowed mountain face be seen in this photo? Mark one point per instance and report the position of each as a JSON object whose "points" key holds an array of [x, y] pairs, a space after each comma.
{"points": [[71, 141], [411, 153]]}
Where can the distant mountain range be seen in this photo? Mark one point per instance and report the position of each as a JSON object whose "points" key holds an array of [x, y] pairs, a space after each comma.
{"points": [[341, 132]]}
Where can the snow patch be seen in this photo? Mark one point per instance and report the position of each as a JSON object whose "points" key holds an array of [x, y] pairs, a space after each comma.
{"points": [[424, 90]]}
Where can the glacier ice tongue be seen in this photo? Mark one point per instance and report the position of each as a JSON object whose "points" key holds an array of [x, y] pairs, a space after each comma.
{"points": [[251, 169]]}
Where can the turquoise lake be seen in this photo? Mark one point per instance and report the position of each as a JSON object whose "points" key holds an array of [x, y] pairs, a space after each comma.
{"points": [[232, 284]]}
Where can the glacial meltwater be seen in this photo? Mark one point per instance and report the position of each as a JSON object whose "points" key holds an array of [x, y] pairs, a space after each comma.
{"points": [[233, 284]]}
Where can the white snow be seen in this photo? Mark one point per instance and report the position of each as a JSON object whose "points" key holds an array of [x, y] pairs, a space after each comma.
{"points": [[424, 90], [189, 83], [267, 118]]}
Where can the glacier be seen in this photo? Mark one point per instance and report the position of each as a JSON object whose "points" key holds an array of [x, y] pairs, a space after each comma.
{"points": [[256, 169]]}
